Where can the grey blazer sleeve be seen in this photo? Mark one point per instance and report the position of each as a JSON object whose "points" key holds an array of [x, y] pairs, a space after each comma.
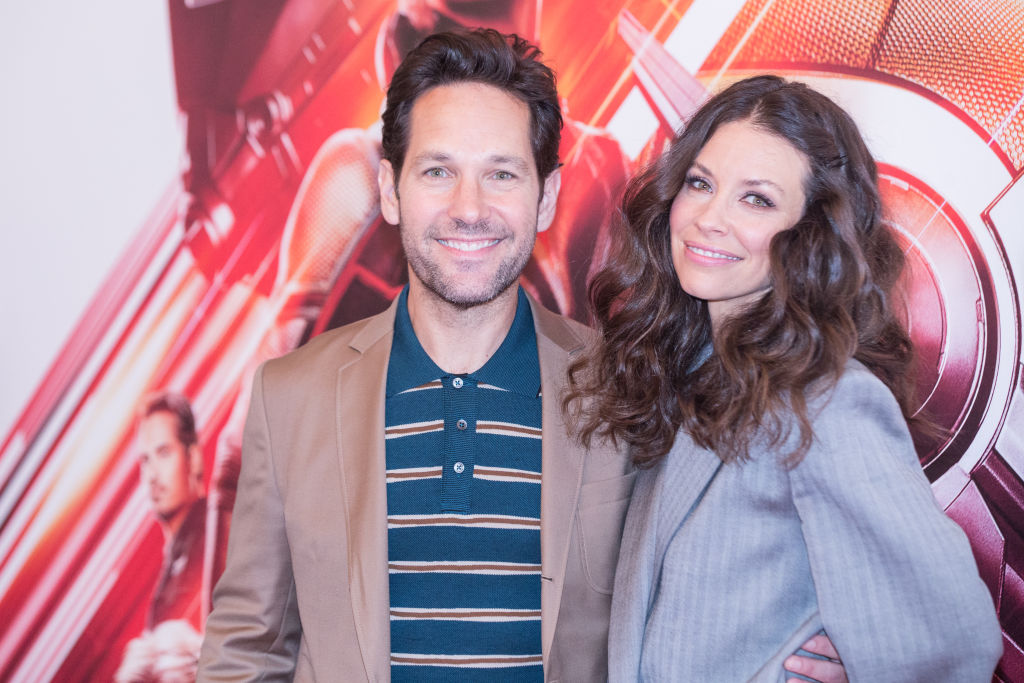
{"points": [[253, 631], [897, 585]]}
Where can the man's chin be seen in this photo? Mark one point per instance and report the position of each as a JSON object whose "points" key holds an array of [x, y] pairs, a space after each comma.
{"points": [[168, 515], [466, 300], [466, 295]]}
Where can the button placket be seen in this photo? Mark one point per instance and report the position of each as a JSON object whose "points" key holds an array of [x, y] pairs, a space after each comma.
{"points": [[460, 415]]}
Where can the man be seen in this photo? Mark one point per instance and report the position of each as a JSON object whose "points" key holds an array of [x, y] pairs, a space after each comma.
{"points": [[171, 470], [410, 505]]}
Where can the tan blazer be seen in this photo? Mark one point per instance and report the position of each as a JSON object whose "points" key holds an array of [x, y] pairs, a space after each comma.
{"points": [[305, 589]]}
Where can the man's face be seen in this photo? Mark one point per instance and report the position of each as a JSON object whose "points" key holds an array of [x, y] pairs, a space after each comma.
{"points": [[469, 200], [164, 465]]}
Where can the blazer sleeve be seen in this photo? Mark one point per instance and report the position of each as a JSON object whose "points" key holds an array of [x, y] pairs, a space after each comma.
{"points": [[253, 630], [897, 585]]}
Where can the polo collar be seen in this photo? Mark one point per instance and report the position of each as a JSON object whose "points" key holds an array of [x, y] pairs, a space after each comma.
{"points": [[513, 367]]}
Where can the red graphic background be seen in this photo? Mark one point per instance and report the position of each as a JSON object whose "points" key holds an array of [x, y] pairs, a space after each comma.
{"points": [[272, 235]]}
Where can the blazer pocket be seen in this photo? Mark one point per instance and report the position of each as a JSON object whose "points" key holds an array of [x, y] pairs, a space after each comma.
{"points": [[772, 670], [602, 513]]}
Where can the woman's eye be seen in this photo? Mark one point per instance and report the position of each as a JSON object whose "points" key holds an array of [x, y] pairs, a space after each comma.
{"points": [[758, 200], [698, 183]]}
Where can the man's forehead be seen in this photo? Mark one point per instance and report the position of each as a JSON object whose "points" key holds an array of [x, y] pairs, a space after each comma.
{"points": [[470, 125], [456, 108], [159, 426]]}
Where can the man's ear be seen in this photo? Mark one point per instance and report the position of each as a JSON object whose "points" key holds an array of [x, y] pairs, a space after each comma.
{"points": [[388, 185], [548, 200], [195, 469]]}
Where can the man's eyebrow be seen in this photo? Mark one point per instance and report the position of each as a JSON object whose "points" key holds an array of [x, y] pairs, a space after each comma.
{"points": [[515, 161], [439, 157], [430, 156]]}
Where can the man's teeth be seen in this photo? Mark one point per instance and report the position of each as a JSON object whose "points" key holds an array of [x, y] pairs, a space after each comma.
{"points": [[468, 246], [713, 254]]}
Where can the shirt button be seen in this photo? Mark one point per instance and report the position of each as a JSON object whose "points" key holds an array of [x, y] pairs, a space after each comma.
{"points": [[459, 468], [461, 424], [457, 382]]}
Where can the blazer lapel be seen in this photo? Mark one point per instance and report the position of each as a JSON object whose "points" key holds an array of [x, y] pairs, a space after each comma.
{"points": [[655, 515], [360, 400], [561, 465], [699, 467], [634, 579], [360, 419]]}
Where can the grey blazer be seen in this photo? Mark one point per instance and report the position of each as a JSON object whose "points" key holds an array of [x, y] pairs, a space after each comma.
{"points": [[726, 569]]}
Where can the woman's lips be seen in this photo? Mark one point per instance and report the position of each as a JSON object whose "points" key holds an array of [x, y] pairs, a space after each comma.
{"points": [[706, 254]]}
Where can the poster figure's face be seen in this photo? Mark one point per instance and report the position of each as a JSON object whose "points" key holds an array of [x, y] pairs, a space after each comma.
{"points": [[164, 465], [745, 186], [468, 202]]}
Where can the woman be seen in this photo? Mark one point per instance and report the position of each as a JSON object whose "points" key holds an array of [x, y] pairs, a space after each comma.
{"points": [[754, 364]]}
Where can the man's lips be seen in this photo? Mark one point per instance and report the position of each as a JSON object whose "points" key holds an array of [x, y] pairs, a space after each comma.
{"points": [[468, 245]]}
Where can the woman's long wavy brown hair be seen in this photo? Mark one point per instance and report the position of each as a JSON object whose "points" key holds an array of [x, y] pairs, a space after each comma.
{"points": [[832, 276]]}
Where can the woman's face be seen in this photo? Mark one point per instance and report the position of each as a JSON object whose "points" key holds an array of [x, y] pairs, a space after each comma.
{"points": [[745, 186]]}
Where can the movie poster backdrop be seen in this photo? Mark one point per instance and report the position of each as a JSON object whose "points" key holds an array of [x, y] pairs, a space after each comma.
{"points": [[272, 235]]}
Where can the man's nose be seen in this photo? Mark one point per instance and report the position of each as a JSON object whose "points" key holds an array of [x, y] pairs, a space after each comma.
{"points": [[468, 203]]}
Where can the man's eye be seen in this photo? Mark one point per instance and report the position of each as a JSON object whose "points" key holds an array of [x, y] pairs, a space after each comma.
{"points": [[504, 175], [435, 172]]}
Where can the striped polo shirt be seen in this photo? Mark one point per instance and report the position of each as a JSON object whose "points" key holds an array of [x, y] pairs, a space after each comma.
{"points": [[463, 458]]}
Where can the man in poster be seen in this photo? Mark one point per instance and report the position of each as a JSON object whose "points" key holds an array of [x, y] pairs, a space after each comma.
{"points": [[171, 470]]}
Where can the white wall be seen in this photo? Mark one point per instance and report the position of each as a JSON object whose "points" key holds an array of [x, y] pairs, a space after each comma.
{"points": [[90, 140]]}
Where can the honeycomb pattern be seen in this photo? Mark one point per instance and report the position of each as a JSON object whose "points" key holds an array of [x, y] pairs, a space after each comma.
{"points": [[967, 53], [337, 201]]}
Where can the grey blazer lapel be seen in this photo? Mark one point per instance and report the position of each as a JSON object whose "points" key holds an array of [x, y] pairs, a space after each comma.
{"points": [[649, 529], [699, 467], [561, 464], [360, 400], [634, 580]]}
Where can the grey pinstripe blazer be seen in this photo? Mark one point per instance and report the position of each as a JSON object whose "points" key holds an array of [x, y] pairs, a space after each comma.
{"points": [[726, 569]]}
